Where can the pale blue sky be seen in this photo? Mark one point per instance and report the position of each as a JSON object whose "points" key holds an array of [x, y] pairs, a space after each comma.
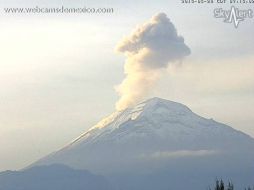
{"points": [[58, 72]]}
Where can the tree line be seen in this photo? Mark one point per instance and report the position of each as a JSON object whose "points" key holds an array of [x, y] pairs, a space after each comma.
{"points": [[220, 185]]}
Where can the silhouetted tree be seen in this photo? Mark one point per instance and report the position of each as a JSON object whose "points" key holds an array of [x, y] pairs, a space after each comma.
{"points": [[217, 186], [230, 186], [221, 185]]}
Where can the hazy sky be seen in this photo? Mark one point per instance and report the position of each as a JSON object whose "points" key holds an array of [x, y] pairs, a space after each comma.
{"points": [[58, 72]]}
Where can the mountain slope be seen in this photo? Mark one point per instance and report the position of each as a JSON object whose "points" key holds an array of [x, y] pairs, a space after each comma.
{"points": [[53, 177], [160, 138]]}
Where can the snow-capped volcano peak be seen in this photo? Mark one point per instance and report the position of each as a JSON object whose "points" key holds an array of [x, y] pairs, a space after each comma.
{"points": [[152, 108], [153, 129], [160, 106], [147, 108]]}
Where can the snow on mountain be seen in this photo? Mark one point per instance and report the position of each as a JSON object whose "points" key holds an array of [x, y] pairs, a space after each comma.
{"points": [[156, 129], [157, 118]]}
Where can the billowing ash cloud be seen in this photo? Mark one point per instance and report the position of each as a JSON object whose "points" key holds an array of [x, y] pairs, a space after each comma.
{"points": [[149, 50]]}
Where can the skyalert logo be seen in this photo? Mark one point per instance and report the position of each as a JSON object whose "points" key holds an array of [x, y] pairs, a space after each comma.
{"points": [[234, 15]]}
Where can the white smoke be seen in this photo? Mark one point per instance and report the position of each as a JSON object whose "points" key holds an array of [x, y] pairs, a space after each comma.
{"points": [[149, 50]]}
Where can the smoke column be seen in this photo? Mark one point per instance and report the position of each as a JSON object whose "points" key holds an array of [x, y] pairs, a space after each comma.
{"points": [[149, 50]]}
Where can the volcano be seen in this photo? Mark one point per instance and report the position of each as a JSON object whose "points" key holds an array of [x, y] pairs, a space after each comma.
{"points": [[160, 144]]}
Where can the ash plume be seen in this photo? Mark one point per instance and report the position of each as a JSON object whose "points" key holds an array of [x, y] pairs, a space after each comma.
{"points": [[149, 50]]}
